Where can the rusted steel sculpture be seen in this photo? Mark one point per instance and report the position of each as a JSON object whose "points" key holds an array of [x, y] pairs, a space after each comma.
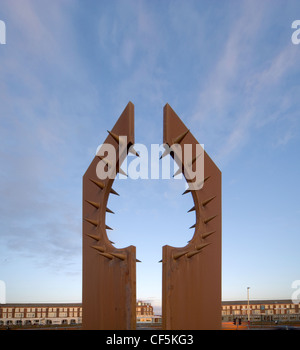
{"points": [[109, 274], [191, 283], [191, 279]]}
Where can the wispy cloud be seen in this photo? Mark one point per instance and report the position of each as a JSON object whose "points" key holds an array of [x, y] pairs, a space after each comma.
{"points": [[131, 43], [37, 134], [243, 93]]}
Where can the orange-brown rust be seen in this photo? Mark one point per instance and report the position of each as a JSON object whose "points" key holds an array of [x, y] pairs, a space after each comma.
{"points": [[191, 279], [109, 274]]}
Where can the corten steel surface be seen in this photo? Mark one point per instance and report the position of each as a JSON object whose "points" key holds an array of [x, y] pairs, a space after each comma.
{"points": [[191, 286], [109, 274]]}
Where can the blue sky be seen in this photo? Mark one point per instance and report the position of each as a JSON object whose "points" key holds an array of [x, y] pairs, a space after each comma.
{"points": [[230, 71]]}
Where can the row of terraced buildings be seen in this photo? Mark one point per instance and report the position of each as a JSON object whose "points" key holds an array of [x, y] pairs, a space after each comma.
{"points": [[71, 314]]}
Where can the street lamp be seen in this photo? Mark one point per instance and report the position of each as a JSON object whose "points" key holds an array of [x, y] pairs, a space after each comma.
{"points": [[248, 306]]}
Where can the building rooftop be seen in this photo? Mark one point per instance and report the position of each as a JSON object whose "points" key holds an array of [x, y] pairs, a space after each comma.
{"points": [[253, 301], [40, 304]]}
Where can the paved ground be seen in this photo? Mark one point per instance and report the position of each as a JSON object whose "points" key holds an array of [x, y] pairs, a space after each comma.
{"points": [[259, 326], [154, 327]]}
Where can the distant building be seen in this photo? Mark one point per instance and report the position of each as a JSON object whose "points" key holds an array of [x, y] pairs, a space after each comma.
{"points": [[59, 314], [145, 314], [261, 310], [40, 314], [71, 314]]}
